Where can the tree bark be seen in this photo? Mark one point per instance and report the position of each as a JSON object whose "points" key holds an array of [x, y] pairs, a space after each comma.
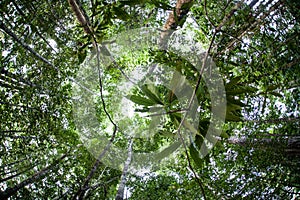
{"points": [[176, 18], [81, 16]]}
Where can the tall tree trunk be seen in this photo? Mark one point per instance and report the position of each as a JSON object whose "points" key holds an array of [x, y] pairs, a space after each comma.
{"points": [[9, 192], [286, 146], [120, 193]]}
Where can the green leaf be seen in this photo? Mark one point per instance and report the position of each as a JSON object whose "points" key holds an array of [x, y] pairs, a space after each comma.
{"points": [[104, 51], [195, 156], [198, 141], [224, 135], [151, 95], [232, 63], [121, 14], [272, 87], [240, 90], [156, 109], [145, 109], [200, 93], [277, 94], [232, 107], [220, 147], [233, 82], [175, 116], [203, 126], [232, 117], [141, 100], [272, 29], [167, 133], [132, 2], [167, 151], [81, 56], [189, 126], [161, 4], [231, 100]]}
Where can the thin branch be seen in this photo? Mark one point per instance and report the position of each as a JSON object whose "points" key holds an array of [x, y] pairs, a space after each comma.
{"points": [[217, 29], [57, 19], [284, 43], [236, 38], [16, 174], [82, 18], [251, 27], [189, 106], [81, 192], [11, 78], [33, 27], [25, 46], [93, 187], [13, 163], [230, 14], [206, 14], [227, 4], [114, 62], [297, 193], [19, 137], [290, 64], [284, 67], [18, 106], [101, 184], [176, 18]]}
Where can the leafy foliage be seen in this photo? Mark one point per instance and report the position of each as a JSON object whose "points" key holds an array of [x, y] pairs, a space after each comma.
{"points": [[43, 53]]}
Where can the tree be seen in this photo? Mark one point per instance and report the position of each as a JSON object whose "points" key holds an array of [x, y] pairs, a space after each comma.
{"points": [[46, 87]]}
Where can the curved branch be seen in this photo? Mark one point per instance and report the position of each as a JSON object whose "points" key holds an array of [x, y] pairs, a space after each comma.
{"points": [[206, 14], [184, 117], [84, 21]]}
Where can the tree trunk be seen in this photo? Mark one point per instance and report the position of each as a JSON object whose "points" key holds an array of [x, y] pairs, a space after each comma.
{"points": [[120, 193], [288, 144], [9, 192]]}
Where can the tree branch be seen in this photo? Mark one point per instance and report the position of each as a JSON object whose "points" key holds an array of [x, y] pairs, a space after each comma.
{"points": [[252, 26], [230, 14], [25, 46], [176, 18], [81, 16]]}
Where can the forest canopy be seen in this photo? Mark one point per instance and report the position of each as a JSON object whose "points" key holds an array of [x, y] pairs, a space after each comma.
{"points": [[140, 99]]}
